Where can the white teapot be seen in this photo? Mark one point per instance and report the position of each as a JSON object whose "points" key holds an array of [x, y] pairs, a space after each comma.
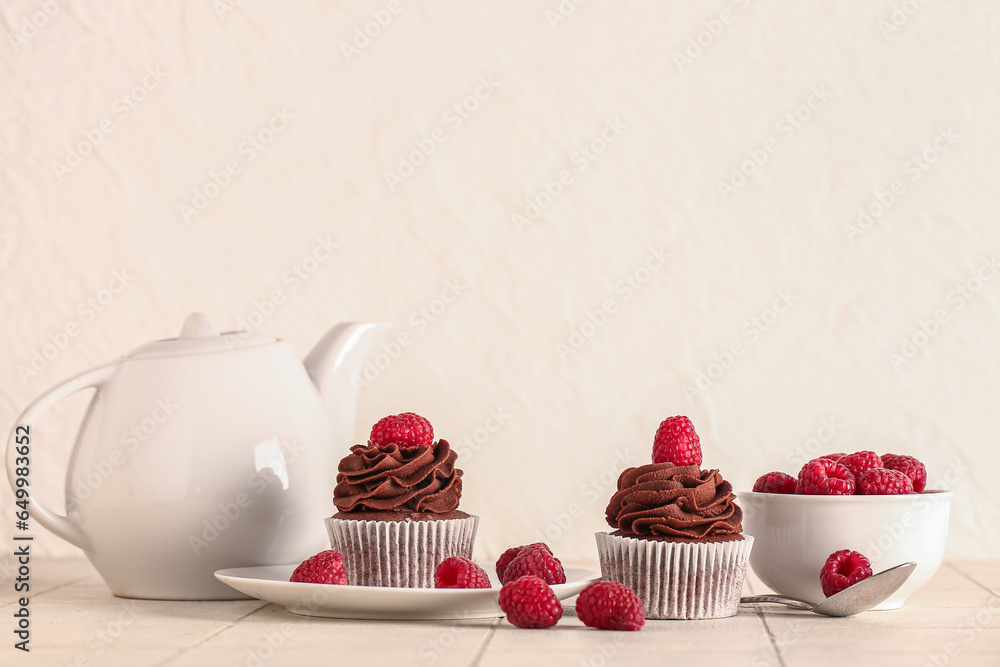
{"points": [[203, 452]]}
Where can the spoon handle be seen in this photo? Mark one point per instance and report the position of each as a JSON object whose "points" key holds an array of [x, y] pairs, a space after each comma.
{"points": [[794, 603]]}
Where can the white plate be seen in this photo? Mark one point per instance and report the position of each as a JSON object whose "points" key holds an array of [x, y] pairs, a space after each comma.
{"points": [[270, 583]]}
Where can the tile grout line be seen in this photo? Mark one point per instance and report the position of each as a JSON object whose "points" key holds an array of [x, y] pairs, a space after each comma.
{"points": [[970, 578], [213, 635], [45, 592], [771, 638], [478, 658]]}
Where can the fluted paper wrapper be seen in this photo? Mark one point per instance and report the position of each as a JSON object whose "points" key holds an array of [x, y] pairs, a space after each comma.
{"points": [[678, 580], [399, 554]]}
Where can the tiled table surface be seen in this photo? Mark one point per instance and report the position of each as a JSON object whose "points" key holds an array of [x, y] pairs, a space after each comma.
{"points": [[954, 621]]}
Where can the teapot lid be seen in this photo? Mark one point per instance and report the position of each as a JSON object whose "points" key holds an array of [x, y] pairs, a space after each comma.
{"points": [[198, 336]]}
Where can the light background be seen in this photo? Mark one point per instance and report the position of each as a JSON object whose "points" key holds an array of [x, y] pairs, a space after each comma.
{"points": [[892, 78]]}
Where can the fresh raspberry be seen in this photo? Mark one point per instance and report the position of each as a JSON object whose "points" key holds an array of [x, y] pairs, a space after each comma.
{"points": [[406, 430], [842, 569], [536, 560], [609, 605], [884, 482], [910, 467], [458, 572], [676, 442], [530, 603], [775, 482], [326, 567], [507, 556], [836, 456], [858, 462], [825, 478]]}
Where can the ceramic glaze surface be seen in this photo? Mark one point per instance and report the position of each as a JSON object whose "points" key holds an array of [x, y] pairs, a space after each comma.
{"points": [[794, 535], [200, 456]]}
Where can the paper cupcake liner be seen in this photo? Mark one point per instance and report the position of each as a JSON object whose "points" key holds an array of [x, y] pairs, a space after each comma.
{"points": [[678, 580], [400, 554]]}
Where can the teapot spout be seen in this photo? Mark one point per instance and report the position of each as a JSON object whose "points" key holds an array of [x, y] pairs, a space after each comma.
{"points": [[334, 362]]}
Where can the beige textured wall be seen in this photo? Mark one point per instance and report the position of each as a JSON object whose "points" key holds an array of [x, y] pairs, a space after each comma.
{"points": [[618, 199]]}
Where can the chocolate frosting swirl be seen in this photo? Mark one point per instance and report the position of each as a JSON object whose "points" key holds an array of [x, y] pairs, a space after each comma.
{"points": [[399, 479], [661, 500]]}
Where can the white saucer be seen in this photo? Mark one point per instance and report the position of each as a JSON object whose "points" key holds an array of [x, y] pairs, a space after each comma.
{"points": [[270, 583]]}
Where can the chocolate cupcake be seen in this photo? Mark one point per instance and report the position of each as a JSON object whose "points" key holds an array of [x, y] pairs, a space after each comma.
{"points": [[678, 541], [398, 513]]}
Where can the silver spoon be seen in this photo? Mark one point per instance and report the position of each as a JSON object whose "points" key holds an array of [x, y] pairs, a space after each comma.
{"points": [[854, 599]]}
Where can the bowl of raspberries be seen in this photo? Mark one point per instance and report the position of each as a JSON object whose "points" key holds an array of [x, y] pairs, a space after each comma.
{"points": [[876, 505]]}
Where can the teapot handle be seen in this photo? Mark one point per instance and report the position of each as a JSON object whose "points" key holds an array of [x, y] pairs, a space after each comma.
{"points": [[61, 525]]}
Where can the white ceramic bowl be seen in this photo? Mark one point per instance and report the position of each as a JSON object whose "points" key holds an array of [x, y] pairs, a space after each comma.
{"points": [[794, 535]]}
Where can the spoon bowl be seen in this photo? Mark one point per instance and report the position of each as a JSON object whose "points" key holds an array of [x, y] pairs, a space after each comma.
{"points": [[862, 596]]}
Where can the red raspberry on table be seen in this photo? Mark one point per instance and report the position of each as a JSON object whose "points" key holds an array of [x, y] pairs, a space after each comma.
{"points": [[826, 478], [676, 442], [530, 603], [884, 482], [842, 569], [507, 556], [775, 482], [609, 605], [910, 467], [537, 560], [858, 462], [406, 430], [458, 572], [326, 567]]}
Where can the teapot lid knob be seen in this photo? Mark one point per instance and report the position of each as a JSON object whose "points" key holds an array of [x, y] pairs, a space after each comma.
{"points": [[198, 336], [196, 325]]}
